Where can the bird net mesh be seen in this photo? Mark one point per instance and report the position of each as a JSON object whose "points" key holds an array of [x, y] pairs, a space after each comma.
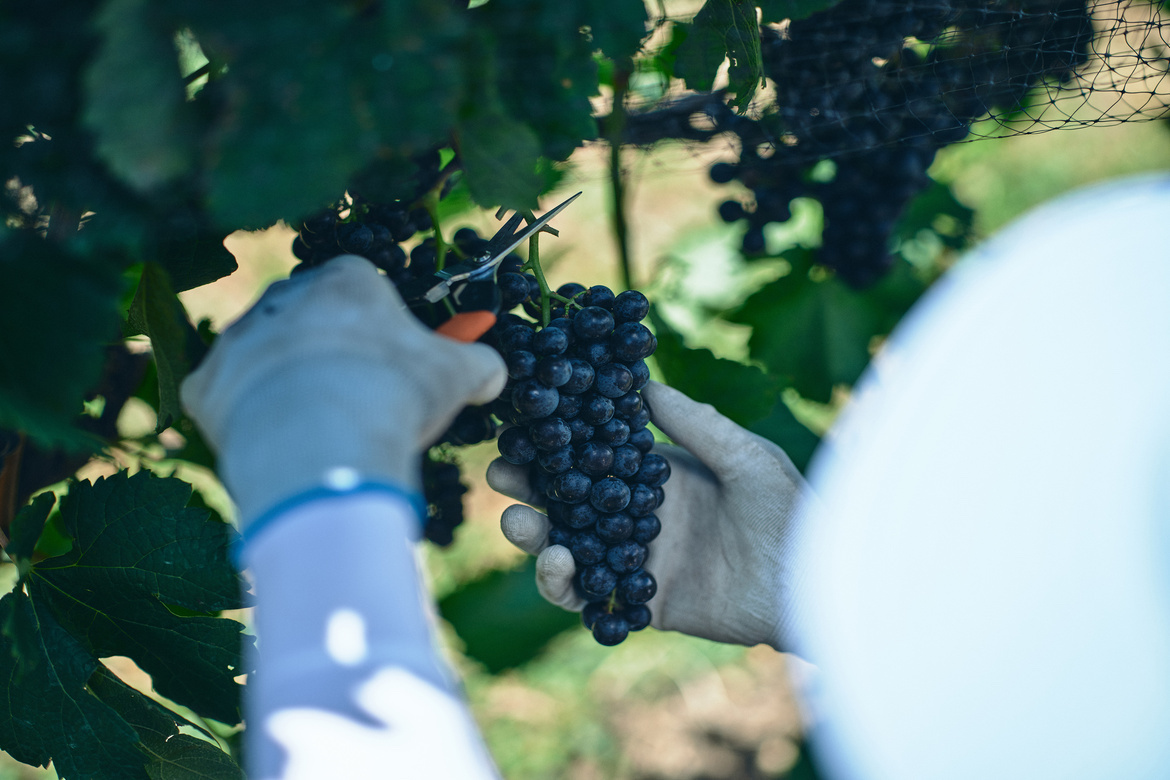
{"points": [[879, 86]]}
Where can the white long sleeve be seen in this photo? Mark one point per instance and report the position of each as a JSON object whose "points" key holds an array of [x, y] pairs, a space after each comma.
{"points": [[989, 586], [349, 683]]}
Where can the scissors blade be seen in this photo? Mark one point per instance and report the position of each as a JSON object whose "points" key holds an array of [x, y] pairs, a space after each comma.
{"points": [[509, 241]]}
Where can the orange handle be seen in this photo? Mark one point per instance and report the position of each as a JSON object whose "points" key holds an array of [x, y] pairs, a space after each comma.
{"points": [[467, 326]]}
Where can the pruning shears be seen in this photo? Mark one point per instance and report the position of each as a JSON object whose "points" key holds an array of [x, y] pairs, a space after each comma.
{"points": [[469, 287]]}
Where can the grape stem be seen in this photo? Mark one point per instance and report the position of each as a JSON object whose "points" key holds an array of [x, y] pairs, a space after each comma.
{"points": [[533, 265], [615, 125]]}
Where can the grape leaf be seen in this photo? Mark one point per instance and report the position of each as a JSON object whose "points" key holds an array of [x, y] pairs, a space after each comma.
{"points": [[740, 392], [48, 686], [190, 250], [137, 548], [135, 98], [529, 60], [722, 29], [294, 134], [57, 310], [817, 333], [502, 619], [171, 755], [499, 160], [157, 312], [617, 29], [779, 10]]}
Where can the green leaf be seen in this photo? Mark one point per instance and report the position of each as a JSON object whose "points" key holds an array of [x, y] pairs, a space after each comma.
{"points": [[954, 229], [530, 61], [191, 250], [157, 312], [171, 755], [782, 427], [499, 161], [740, 392], [57, 311], [502, 619], [137, 548], [722, 29], [27, 527], [816, 332], [617, 28], [135, 98], [779, 10], [47, 713], [295, 132]]}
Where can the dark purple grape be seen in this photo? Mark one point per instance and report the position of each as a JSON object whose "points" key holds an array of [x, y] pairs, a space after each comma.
{"points": [[355, 238], [572, 487], [570, 290], [594, 458], [626, 460], [580, 515], [631, 341], [615, 433], [550, 341], [554, 371], [593, 610], [654, 471], [637, 587], [582, 431], [753, 241], [625, 556], [630, 306], [643, 501], [610, 630], [550, 433], [582, 377], [609, 495], [637, 616], [561, 536], [515, 337], [521, 364], [534, 399], [646, 529], [592, 323], [639, 419], [598, 295], [597, 410], [722, 172], [613, 380], [516, 447], [587, 549], [556, 461], [641, 373], [628, 405], [643, 439], [513, 290], [569, 406], [731, 211], [596, 353], [597, 580], [614, 528]]}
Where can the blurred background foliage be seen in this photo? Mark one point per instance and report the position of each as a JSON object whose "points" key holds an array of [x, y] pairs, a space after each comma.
{"points": [[249, 132]]}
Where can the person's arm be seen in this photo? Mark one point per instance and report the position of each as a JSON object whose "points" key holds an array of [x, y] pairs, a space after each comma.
{"points": [[319, 403]]}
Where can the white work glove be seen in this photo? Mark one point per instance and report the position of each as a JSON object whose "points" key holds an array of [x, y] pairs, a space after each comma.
{"points": [[329, 371], [733, 505]]}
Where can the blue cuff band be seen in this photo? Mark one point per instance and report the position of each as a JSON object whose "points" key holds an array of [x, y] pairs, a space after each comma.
{"points": [[323, 492]]}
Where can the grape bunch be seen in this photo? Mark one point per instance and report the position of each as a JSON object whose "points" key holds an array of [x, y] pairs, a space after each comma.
{"points": [[577, 420], [879, 86]]}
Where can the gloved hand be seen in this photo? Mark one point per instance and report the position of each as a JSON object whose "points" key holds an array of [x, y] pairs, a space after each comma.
{"points": [[733, 506], [330, 370]]}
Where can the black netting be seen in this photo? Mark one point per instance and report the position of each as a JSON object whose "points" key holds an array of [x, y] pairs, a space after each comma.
{"points": [[879, 86]]}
